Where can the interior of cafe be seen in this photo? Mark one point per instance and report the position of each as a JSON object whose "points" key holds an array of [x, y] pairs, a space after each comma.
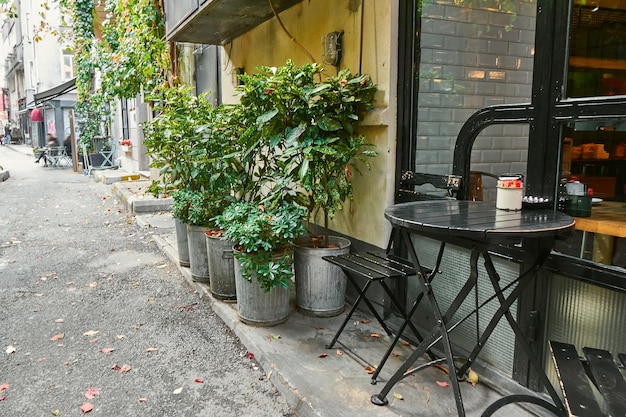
{"points": [[594, 152]]}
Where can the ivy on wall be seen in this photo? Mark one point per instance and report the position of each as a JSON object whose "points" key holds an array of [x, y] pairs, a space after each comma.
{"points": [[132, 56]]}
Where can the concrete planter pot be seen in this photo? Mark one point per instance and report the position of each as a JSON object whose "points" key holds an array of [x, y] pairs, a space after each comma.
{"points": [[320, 285]]}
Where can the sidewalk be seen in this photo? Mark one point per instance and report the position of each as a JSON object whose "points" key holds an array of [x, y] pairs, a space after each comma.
{"points": [[317, 381]]}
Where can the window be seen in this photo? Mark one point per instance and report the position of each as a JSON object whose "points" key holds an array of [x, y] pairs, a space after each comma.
{"points": [[67, 69]]}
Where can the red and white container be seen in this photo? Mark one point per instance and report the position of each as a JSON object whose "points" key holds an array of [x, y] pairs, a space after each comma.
{"points": [[510, 191]]}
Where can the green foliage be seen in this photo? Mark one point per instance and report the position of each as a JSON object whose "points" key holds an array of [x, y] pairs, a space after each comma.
{"points": [[263, 235], [194, 146], [301, 135]]}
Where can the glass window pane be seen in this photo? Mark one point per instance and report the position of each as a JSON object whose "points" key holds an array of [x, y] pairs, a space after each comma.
{"points": [[597, 62]]}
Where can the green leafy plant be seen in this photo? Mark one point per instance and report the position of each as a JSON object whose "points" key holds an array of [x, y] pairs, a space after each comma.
{"points": [[263, 236], [301, 134]]}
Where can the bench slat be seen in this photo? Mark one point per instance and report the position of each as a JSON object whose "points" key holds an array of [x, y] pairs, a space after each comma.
{"points": [[610, 382], [385, 271], [403, 266], [578, 396]]}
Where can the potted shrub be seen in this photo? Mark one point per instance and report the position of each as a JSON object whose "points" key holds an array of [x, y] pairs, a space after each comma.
{"points": [[263, 257], [314, 123]]}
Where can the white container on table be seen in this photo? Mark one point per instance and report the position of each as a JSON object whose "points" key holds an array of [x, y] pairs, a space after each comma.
{"points": [[510, 191]]}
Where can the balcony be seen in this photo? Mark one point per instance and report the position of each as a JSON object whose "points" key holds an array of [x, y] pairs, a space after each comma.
{"points": [[217, 22]]}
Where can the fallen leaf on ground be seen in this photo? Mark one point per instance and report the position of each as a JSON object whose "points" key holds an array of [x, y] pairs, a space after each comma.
{"points": [[405, 343], [56, 412], [322, 355], [57, 337], [3, 398], [58, 321], [398, 396], [94, 340], [38, 294], [91, 333], [339, 352], [4, 387], [86, 407], [441, 368], [107, 350], [92, 393], [472, 377], [125, 368], [120, 336], [365, 321], [370, 369], [93, 284], [319, 328], [152, 349], [250, 355], [143, 400], [178, 390], [10, 349], [375, 335], [442, 383], [199, 380]]}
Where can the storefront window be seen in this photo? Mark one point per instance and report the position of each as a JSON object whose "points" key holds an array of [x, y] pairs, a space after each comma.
{"points": [[597, 62]]}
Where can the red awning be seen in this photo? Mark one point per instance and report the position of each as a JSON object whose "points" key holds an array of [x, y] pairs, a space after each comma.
{"points": [[36, 115]]}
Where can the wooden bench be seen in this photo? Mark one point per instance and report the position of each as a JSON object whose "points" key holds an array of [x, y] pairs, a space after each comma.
{"points": [[576, 375]]}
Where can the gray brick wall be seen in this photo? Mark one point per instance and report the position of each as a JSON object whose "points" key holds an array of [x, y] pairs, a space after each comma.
{"points": [[470, 59]]}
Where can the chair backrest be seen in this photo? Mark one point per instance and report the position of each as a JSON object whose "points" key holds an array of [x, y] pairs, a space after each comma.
{"points": [[57, 150], [431, 186]]}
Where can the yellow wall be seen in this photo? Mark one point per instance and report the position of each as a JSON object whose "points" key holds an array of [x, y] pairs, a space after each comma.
{"points": [[307, 22]]}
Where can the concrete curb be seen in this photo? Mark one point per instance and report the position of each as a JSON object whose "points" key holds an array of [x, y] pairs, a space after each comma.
{"points": [[137, 205]]}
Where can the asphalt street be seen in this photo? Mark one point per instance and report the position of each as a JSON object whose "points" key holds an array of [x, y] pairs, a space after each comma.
{"points": [[95, 320]]}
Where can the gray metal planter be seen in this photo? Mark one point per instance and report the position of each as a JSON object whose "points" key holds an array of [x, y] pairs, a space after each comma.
{"points": [[258, 308], [221, 268], [198, 257], [320, 285], [182, 242]]}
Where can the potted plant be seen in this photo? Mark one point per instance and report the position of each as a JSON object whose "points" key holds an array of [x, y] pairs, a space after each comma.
{"points": [[263, 256], [314, 122], [176, 140]]}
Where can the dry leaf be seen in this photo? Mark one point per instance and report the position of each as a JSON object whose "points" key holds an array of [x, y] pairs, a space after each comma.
{"points": [[405, 343], [178, 390], [10, 349], [339, 352], [125, 368], [107, 350], [57, 337], [442, 383], [442, 368], [56, 412], [472, 377], [199, 380], [370, 369], [92, 393], [143, 400], [3, 398], [365, 321], [38, 294], [398, 396], [319, 328], [4, 387], [86, 407], [93, 284], [375, 335], [91, 333], [120, 336], [322, 355], [152, 349], [58, 321]]}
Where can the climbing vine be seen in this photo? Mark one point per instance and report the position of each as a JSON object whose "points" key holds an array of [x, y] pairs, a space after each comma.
{"points": [[130, 58]]}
